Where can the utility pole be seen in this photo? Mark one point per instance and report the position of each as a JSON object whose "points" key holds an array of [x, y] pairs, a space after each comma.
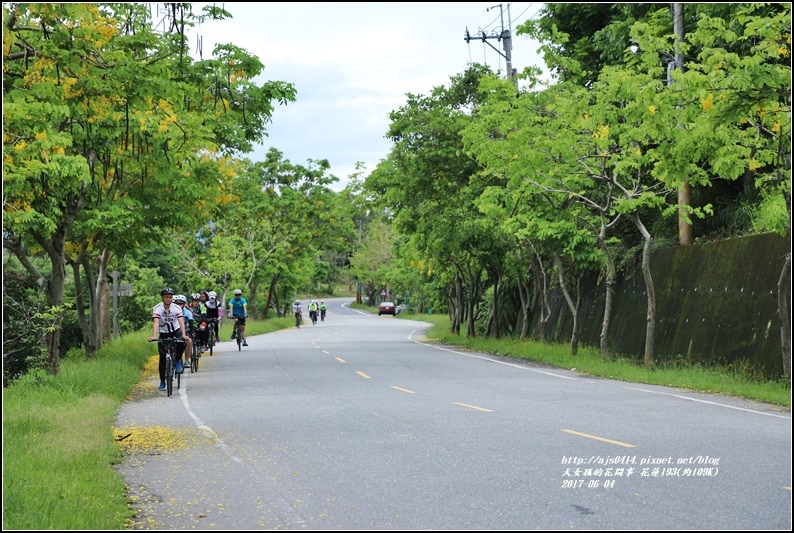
{"points": [[504, 37], [685, 233]]}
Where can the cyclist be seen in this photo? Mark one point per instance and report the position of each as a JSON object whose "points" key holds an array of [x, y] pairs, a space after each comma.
{"points": [[297, 308], [213, 305], [238, 310], [323, 308], [313, 311], [200, 319], [190, 327], [168, 322]]}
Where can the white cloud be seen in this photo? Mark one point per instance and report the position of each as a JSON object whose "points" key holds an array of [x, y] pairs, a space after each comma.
{"points": [[353, 63]]}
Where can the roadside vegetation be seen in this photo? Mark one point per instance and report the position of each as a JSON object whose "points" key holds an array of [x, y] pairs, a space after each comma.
{"points": [[735, 381], [738, 381], [59, 441]]}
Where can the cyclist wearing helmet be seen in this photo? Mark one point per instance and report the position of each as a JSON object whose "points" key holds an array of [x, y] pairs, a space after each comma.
{"points": [[213, 305], [238, 310], [323, 309], [200, 321], [297, 308], [168, 322], [190, 327], [313, 308]]}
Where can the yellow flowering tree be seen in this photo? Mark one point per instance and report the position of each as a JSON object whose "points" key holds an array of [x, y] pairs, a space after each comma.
{"points": [[112, 133]]}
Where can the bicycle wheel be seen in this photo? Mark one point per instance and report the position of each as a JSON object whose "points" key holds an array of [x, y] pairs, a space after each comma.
{"points": [[239, 340], [169, 375], [212, 339], [195, 359], [297, 321], [178, 379]]}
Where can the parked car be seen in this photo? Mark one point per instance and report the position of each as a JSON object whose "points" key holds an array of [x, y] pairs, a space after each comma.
{"points": [[387, 308]]}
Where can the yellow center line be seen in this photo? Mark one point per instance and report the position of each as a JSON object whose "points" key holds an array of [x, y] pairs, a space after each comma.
{"points": [[404, 390], [473, 407], [599, 438], [362, 374], [326, 352], [340, 359]]}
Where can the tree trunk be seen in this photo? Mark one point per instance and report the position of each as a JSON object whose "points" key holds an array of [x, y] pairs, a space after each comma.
{"points": [[458, 305], [271, 293], [107, 326], [55, 247], [100, 303], [650, 328], [90, 333], [526, 307], [495, 331], [542, 295], [611, 277], [784, 312], [573, 307], [252, 299], [79, 305], [474, 292]]}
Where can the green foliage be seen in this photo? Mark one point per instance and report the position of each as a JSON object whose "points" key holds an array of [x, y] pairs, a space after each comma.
{"points": [[22, 327], [735, 380]]}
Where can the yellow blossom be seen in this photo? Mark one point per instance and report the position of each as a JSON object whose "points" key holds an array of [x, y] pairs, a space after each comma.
{"points": [[40, 136], [753, 164], [652, 109], [601, 133], [776, 127], [708, 103], [21, 146]]}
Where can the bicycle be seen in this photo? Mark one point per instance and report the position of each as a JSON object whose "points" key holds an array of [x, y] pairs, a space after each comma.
{"points": [[211, 341], [170, 365], [322, 315], [237, 334], [298, 320], [313, 317], [194, 359]]}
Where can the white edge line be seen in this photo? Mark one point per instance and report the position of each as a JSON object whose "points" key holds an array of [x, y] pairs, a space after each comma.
{"points": [[567, 377], [354, 310], [710, 403], [521, 367]]}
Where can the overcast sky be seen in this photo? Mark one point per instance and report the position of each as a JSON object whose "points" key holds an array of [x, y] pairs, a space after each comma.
{"points": [[353, 63]]}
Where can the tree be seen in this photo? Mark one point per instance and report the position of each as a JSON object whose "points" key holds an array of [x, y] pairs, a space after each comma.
{"points": [[108, 125]]}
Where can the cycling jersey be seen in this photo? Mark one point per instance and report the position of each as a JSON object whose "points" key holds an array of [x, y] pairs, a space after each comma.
{"points": [[238, 306], [169, 317], [213, 308]]}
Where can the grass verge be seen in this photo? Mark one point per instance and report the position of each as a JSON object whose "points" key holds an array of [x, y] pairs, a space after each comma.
{"points": [[589, 361], [58, 435]]}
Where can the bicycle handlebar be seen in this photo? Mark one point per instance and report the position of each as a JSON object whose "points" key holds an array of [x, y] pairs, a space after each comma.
{"points": [[172, 339]]}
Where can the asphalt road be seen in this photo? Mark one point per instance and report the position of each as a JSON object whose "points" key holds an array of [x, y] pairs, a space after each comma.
{"points": [[356, 423]]}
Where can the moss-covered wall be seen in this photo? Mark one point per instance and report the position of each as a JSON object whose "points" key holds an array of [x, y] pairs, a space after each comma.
{"points": [[715, 303]]}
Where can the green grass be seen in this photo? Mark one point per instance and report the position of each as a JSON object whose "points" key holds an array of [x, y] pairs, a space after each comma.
{"points": [[58, 431], [588, 360], [58, 436]]}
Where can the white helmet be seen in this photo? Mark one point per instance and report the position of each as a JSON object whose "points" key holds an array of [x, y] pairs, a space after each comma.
{"points": [[180, 299], [237, 291], [212, 294]]}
